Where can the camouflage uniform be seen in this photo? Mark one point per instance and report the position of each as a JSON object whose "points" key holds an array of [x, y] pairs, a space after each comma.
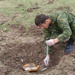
{"points": [[62, 27]]}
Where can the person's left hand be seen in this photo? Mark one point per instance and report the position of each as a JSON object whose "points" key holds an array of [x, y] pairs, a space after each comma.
{"points": [[50, 42]]}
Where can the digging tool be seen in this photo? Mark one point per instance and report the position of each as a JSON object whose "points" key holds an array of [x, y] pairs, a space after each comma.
{"points": [[46, 65], [47, 50]]}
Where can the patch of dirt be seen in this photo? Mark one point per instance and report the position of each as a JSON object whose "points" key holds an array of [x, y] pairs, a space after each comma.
{"points": [[31, 9], [17, 50], [14, 16], [67, 8], [3, 19], [20, 4], [50, 1], [34, 31]]}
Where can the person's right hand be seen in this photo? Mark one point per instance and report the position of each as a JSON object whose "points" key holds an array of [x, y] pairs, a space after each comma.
{"points": [[50, 42], [46, 60]]}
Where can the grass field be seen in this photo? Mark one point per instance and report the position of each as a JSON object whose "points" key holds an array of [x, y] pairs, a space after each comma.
{"points": [[23, 12]]}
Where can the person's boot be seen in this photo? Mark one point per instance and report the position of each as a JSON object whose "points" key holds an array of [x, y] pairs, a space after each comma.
{"points": [[69, 47]]}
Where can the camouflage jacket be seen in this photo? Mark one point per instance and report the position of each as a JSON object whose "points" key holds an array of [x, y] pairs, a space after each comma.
{"points": [[61, 23]]}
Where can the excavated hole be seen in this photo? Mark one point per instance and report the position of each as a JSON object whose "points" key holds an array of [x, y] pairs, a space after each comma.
{"points": [[19, 54]]}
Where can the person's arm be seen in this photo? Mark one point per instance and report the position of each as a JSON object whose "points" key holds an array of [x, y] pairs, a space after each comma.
{"points": [[56, 40], [64, 25], [62, 21]]}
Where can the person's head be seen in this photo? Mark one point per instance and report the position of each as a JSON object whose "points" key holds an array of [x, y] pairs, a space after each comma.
{"points": [[42, 20]]}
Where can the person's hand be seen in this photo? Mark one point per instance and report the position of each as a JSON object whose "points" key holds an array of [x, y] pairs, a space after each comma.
{"points": [[46, 60], [50, 42]]}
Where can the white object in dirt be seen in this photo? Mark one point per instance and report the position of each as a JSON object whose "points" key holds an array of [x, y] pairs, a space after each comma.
{"points": [[44, 69], [21, 60]]}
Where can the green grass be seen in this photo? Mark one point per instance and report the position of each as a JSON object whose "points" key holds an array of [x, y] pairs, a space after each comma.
{"points": [[9, 8]]}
